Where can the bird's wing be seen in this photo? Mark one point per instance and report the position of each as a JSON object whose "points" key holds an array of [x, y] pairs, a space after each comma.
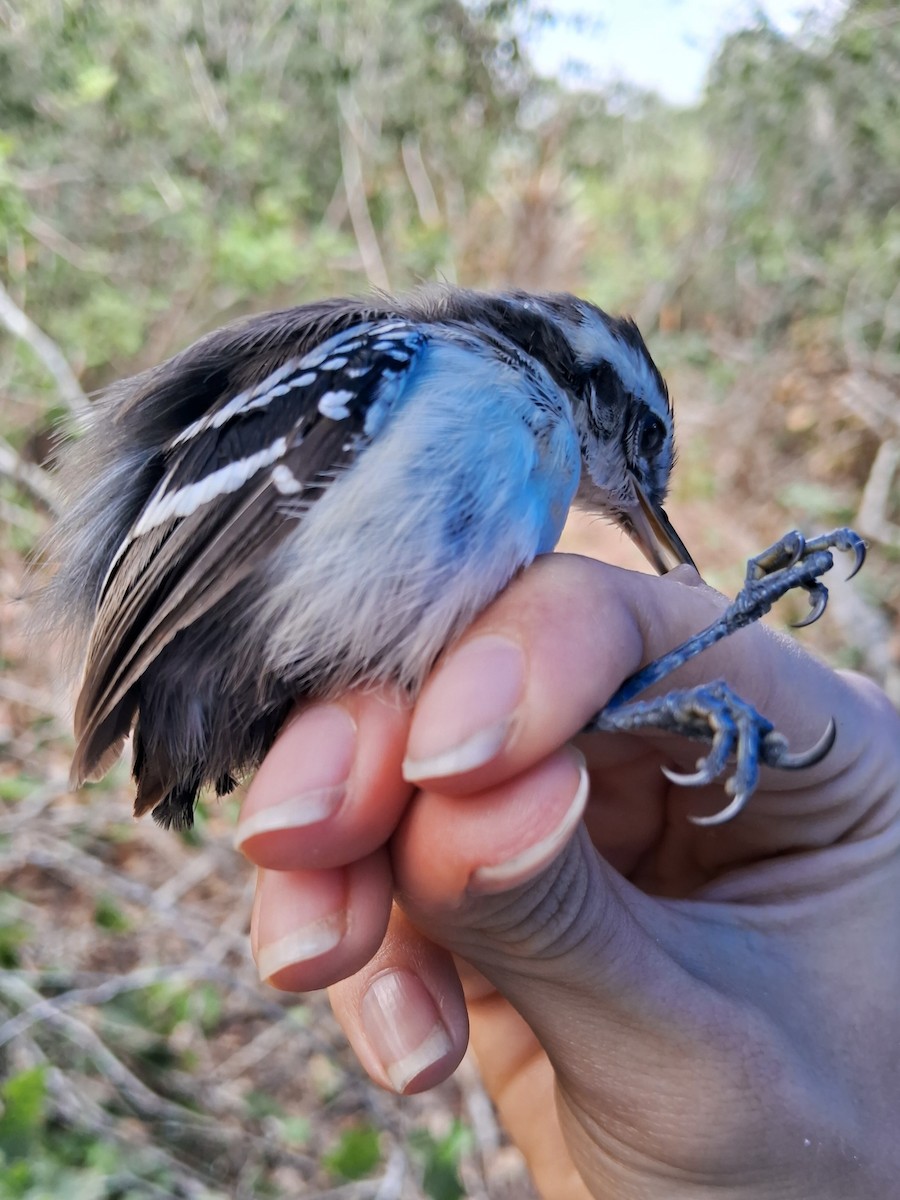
{"points": [[235, 480]]}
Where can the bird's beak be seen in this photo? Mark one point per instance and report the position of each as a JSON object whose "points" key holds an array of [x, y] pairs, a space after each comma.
{"points": [[651, 531]]}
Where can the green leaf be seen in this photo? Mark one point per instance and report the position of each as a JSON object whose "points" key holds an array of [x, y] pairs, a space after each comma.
{"points": [[440, 1159], [108, 915], [17, 787], [95, 83], [357, 1153], [14, 931], [24, 1098]]}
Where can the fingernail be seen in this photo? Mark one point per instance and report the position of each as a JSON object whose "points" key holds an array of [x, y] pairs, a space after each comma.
{"points": [[322, 749], [301, 945], [465, 713], [686, 574], [402, 1025], [500, 877]]}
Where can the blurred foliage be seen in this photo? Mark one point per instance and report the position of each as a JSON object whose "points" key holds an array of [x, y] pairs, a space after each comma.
{"points": [[805, 199], [42, 1160], [440, 1158], [163, 167], [357, 1153], [23, 1099], [167, 165]]}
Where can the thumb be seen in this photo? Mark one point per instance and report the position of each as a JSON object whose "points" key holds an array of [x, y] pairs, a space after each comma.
{"points": [[509, 881], [609, 980], [647, 1055]]}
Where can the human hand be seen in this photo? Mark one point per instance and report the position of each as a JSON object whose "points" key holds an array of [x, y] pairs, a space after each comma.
{"points": [[712, 1010]]}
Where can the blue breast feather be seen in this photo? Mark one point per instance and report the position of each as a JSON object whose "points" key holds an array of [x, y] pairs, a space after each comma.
{"points": [[469, 479]]}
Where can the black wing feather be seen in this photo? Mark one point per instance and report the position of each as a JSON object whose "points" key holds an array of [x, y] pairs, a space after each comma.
{"points": [[173, 567]]}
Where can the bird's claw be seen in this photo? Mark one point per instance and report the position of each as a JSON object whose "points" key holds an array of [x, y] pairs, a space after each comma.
{"points": [[818, 599], [711, 711], [698, 778], [730, 810], [859, 551], [778, 756], [796, 561], [714, 712]]}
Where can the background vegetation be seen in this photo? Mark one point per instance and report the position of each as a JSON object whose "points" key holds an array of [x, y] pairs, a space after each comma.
{"points": [[166, 167]]}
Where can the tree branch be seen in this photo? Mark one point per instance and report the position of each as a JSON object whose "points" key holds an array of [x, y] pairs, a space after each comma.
{"points": [[21, 326], [28, 475], [358, 205]]}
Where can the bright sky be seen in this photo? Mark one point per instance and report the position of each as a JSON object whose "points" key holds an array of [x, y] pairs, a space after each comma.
{"points": [[665, 45]]}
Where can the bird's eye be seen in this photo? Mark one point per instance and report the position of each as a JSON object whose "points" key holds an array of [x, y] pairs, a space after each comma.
{"points": [[651, 436]]}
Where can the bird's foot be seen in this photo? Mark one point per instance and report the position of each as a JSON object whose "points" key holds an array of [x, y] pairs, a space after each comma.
{"points": [[795, 561], [713, 712]]}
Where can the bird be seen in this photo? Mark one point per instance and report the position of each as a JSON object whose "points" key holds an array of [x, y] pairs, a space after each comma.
{"points": [[324, 497]]}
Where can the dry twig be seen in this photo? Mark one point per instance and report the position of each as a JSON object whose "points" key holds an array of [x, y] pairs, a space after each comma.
{"points": [[20, 325], [29, 476]]}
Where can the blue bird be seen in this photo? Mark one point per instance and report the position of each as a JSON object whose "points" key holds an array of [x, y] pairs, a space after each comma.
{"points": [[325, 497]]}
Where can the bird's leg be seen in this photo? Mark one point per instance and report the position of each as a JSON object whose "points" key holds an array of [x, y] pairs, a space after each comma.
{"points": [[713, 712]]}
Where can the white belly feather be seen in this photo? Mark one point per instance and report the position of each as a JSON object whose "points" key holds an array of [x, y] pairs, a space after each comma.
{"points": [[460, 490]]}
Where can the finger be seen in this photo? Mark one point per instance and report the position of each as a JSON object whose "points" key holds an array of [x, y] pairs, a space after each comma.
{"points": [[404, 1012], [555, 646], [511, 833], [330, 790], [310, 928]]}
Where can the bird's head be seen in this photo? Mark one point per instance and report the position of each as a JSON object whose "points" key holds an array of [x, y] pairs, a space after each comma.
{"points": [[625, 425]]}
